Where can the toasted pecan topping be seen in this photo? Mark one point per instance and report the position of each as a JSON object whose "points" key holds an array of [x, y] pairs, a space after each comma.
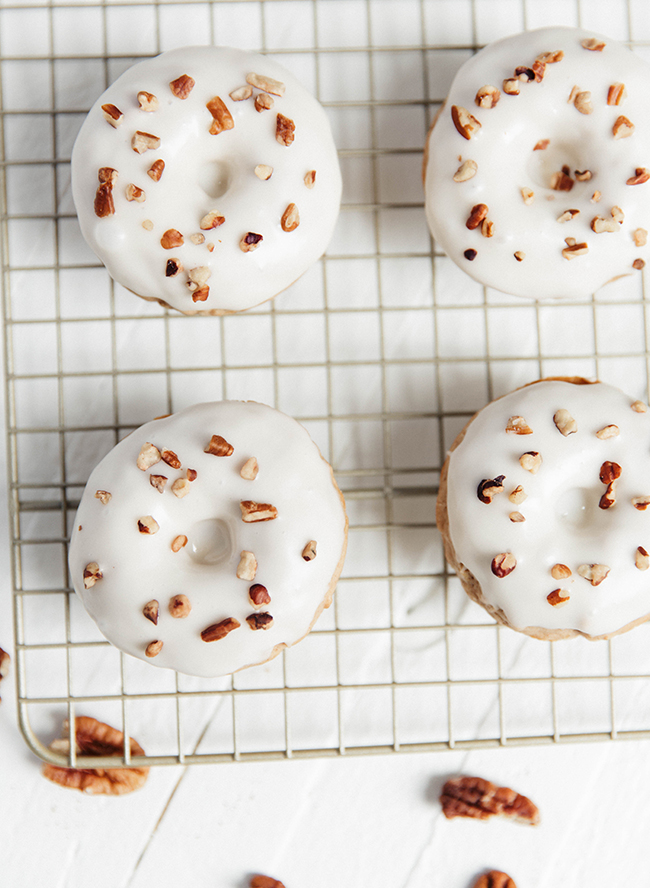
{"points": [[595, 573], [198, 277], [487, 96], [610, 471], [467, 170], [263, 171], [197, 238], [156, 170], [470, 255], [112, 114], [639, 407], [531, 461], [158, 481], [260, 621], [641, 558], [519, 256], [583, 103], [252, 512], [641, 502], [265, 882], [564, 422], [142, 142], [309, 552], [623, 128], [487, 228], [219, 630], [171, 458], [568, 215], [518, 495], [263, 102], [562, 181], [259, 595], [516, 517], [247, 567], [527, 195], [558, 597], [182, 86], [560, 572], [250, 241], [616, 94], [517, 425], [608, 499], [290, 218], [550, 58], [201, 294], [250, 469], [179, 542], [181, 487], [640, 237], [135, 193], [148, 524], [171, 239], [103, 496], [640, 177], [147, 225], [489, 488], [638, 264], [494, 879], [582, 175], [153, 648], [218, 446], [503, 564], [192, 474], [104, 204], [593, 44], [179, 607], [608, 431], [241, 93], [574, 250], [465, 123], [92, 575], [267, 84], [542, 145], [151, 611], [149, 455], [476, 797], [285, 130], [310, 179], [511, 86], [211, 220], [221, 116], [147, 101], [476, 216], [173, 267]]}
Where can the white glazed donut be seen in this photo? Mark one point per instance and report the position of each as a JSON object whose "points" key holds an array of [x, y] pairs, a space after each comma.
{"points": [[206, 179], [537, 187], [543, 507], [209, 540]]}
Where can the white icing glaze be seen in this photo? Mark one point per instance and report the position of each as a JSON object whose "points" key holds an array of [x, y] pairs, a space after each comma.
{"points": [[503, 149], [564, 524], [139, 567], [205, 172]]}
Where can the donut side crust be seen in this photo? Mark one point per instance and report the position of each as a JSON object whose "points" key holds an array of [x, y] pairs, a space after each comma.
{"points": [[469, 582]]}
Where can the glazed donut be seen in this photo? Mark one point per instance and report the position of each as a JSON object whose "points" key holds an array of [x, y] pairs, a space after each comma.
{"points": [[200, 529], [536, 168], [206, 179], [543, 509]]}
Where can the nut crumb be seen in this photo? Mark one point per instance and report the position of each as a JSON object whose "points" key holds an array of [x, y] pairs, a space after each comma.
{"points": [[609, 471], [151, 610], [198, 277], [616, 94], [562, 180], [263, 102], [241, 93], [181, 487], [487, 96], [310, 179], [263, 171], [641, 502], [104, 204], [250, 241], [211, 220], [582, 175], [267, 84], [527, 195], [252, 512], [487, 228], [593, 44], [582, 102], [147, 225], [265, 882], [135, 193], [511, 86], [596, 196], [623, 128], [568, 215], [489, 488], [516, 517], [494, 879], [640, 237], [608, 499], [103, 496], [182, 86], [250, 469], [638, 264], [179, 542], [470, 255], [639, 407], [550, 58], [171, 239], [158, 481], [571, 252], [542, 145], [179, 607], [476, 216], [519, 256], [197, 238], [503, 564], [218, 446], [169, 457], [112, 114], [285, 130]]}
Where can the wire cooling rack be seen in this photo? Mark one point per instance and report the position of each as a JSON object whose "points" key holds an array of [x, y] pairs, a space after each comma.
{"points": [[383, 350]]}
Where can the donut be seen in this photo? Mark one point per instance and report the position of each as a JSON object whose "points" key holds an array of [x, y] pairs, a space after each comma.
{"points": [[206, 179], [543, 509], [536, 168], [209, 540]]}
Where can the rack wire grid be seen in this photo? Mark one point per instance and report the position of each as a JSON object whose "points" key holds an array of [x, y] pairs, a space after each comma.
{"points": [[383, 350]]}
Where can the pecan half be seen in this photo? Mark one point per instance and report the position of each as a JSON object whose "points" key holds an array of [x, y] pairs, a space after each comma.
{"points": [[112, 114], [610, 471], [531, 461], [156, 170], [211, 220], [252, 512], [259, 595], [595, 573], [263, 102], [517, 425], [290, 218], [641, 558], [149, 455], [285, 130], [623, 128], [309, 552], [467, 170], [218, 446], [476, 797], [241, 93], [263, 171], [182, 86], [92, 575], [221, 116], [103, 496], [260, 621], [219, 630], [495, 879], [640, 177], [487, 96], [267, 84], [476, 216], [147, 101], [560, 572], [151, 610], [247, 567], [178, 542], [465, 123], [518, 495], [250, 241], [179, 607], [564, 422], [142, 142], [148, 524], [609, 431], [250, 469], [489, 488], [158, 481], [93, 737], [503, 564]]}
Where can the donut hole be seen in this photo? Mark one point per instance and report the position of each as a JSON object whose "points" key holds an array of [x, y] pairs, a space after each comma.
{"points": [[215, 177], [559, 155], [577, 508], [210, 542]]}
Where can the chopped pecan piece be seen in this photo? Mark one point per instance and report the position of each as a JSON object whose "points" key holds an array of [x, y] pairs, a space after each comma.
{"points": [[596, 196], [539, 70], [103, 496], [260, 621], [156, 170], [467, 170], [181, 487], [267, 84], [516, 517], [197, 238], [221, 116], [5, 661], [198, 277], [201, 294], [148, 524], [638, 264], [169, 457], [112, 114], [600, 225], [263, 102], [524, 73], [503, 564], [211, 220], [250, 241], [149, 455], [259, 595], [153, 648], [247, 567], [476, 216], [476, 797], [616, 94], [241, 93], [527, 195], [573, 250], [487, 228], [562, 181], [250, 469], [263, 171], [610, 471], [639, 407], [179, 607], [252, 512], [93, 737], [582, 102], [564, 422], [218, 446], [219, 630], [147, 101], [171, 238], [465, 123], [517, 425], [104, 204], [158, 481], [550, 58], [511, 86], [542, 145], [495, 879], [265, 882], [151, 610], [608, 499], [192, 474], [285, 129], [92, 575], [470, 255], [582, 175], [489, 488], [595, 573], [310, 179], [640, 177], [623, 128], [641, 502], [518, 495], [179, 542], [309, 552], [557, 599], [135, 193], [519, 256], [531, 461], [609, 431], [641, 558], [593, 44], [182, 86], [147, 225], [568, 215], [487, 96], [173, 267], [142, 142], [560, 572], [640, 237], [290, 218]]}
